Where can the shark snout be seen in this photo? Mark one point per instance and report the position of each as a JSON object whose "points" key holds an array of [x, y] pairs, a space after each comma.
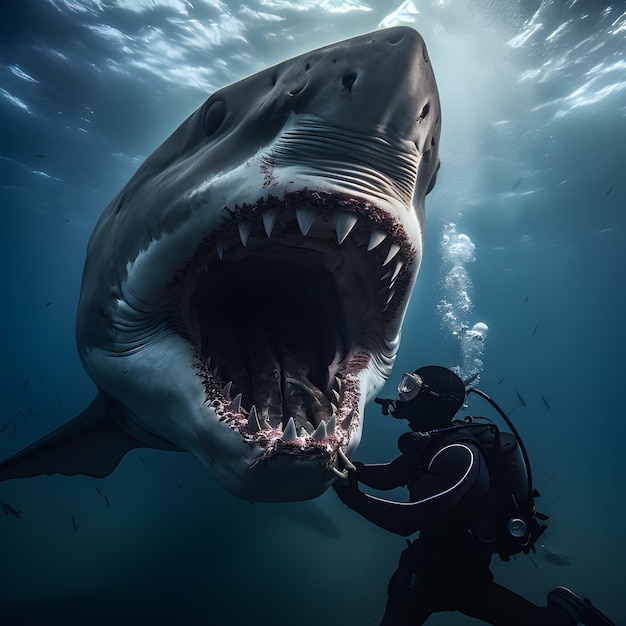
{"points": [[382, 82]]}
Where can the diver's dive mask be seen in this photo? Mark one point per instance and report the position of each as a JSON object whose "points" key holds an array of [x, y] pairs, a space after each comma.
{"points": [[411, 385], [440, 397]]}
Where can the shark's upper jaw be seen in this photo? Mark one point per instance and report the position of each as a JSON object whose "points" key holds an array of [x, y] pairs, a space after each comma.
{"points": [[290, 303]]}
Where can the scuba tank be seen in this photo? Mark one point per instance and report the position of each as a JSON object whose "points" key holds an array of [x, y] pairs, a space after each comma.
{"points": [[516, 519], [518, 525]]}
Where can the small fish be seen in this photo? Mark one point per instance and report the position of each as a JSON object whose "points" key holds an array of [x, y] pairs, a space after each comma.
{"points": [[141, 459], [26, 417], [75, 525], [30, 408], [5, 426], [9, 510], [535, 331], [14, 429], [179, 486], [517, 183], [533, 561], [39, 156], [511, 411], [609, 191], [25, 383], [526, 298], [102, 495], [520, 398], [555, 558], [471, 379], [48, 303], [547, 480], [500, 381], [546, 403]]}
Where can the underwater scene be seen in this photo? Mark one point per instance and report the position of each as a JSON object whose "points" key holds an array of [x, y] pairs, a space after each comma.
{"points": [[521, 291]]}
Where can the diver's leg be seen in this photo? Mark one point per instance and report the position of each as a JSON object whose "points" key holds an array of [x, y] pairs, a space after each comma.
{"points": [[500, 606], [408, 602], [477, 595], [581, 609]]}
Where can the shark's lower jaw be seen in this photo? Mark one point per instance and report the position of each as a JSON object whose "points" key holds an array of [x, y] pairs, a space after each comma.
{"points": [[290, 307]]}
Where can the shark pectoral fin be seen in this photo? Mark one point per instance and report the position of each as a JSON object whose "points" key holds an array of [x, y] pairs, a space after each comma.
{"points": [[91, 444]]}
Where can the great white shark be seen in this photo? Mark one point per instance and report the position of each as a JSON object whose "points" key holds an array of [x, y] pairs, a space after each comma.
{"points": [[243, 295]]}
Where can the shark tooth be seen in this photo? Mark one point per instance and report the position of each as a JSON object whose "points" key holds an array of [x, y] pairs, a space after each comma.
{"points": [[265, 425], [320, 431], [305, 218], [219, 246], [336, 395], [269, 221], [376, 238], [244, 232], [394, 248], [399, 266], [347, 421], [344, 223], [235, 405], [330, 426], [226, 390], [289, 433], [253, 421]]}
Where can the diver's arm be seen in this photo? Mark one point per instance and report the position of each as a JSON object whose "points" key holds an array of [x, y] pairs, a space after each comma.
{"points": [[451, 474], [384, 476]]}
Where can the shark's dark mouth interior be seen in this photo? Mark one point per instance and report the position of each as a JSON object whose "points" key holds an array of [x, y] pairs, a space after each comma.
{"points": [[289, 300], [275, 335]]}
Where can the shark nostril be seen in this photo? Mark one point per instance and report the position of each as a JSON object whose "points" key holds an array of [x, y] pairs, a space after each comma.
{"points": [[214, 116], [395, 38], [424, 113], [348, 80], [298, 89]]}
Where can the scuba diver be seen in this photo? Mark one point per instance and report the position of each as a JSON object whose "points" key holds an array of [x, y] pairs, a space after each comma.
{"points": [[471, 497]]}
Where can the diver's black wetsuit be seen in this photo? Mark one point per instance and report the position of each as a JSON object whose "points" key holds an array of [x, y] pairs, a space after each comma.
{"points": [[450, 502]]}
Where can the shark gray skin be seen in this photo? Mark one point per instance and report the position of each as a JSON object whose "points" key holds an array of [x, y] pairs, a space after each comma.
{"points": [[243, 295]]}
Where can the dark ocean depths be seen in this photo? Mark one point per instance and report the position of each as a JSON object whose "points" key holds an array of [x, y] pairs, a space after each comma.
{"points": [[525, 236]]}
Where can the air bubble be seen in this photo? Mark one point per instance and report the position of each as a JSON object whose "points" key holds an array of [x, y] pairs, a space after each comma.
{"points": [[455, 307]]}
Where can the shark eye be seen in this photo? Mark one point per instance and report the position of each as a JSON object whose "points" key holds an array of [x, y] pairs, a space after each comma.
{"points": [[214, 116]]}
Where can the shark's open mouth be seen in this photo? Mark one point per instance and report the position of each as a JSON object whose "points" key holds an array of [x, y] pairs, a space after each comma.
{"points": [[243, 294], [288, 302]]}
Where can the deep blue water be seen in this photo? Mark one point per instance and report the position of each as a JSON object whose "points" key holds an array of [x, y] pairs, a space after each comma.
{"points": [[533, 174]]}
